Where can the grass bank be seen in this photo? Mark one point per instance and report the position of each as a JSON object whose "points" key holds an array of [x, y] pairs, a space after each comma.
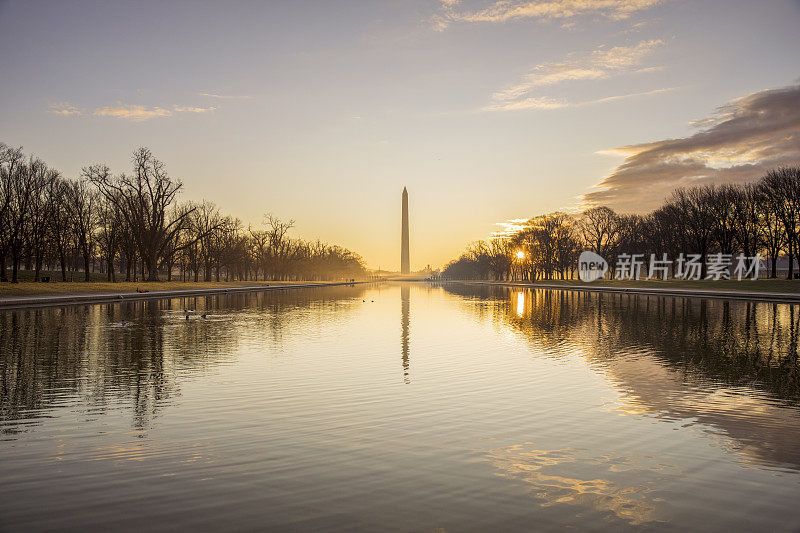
{"points": [[60, 288]]}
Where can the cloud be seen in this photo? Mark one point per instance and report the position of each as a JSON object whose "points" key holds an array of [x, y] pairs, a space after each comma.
{"points": [[508, 228], [64, 109], [140, 113], [136, 113], [533, 102], [744, 139], [545, 10], [629, 95], [599, 64], [544, 102], [224, 96], [189, 109]]}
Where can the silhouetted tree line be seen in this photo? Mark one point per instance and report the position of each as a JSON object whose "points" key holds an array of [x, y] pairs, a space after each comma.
{"points": [[762, 217], [133, 225]]}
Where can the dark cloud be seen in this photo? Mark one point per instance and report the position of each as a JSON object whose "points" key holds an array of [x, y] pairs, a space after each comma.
{"points": [[744, 139]]}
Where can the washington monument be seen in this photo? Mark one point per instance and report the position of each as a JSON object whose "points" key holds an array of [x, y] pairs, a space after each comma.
{"points": [[405, 267]]}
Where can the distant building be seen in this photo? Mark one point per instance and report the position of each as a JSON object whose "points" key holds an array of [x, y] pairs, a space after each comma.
{"points": [[781, 268]]}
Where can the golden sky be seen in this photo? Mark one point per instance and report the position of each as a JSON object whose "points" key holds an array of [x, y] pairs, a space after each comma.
{"points": [[488, 111]]}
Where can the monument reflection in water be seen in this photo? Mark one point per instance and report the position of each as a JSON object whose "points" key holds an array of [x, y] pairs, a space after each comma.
{"points": [[287, 410], [405, 323]]}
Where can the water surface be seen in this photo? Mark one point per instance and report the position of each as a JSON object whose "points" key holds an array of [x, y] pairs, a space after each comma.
{"points": [[402, 408]]}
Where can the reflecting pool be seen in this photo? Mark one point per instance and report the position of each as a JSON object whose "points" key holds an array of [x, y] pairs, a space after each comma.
{"points": [[402, 407]]}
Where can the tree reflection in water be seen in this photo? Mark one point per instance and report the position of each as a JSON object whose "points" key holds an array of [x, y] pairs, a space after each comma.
{"points": [[729, 366], [133, 352]]}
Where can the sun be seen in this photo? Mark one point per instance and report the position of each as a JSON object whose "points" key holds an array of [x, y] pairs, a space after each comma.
{"points": [[520, 254]]}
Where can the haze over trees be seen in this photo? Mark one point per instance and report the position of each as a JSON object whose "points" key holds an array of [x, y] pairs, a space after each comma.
{"points": [[762, 217], [133, 227]]}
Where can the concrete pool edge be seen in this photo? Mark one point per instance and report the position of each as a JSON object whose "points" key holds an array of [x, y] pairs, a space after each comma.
{"points": [[22, 302], [776, 297]]}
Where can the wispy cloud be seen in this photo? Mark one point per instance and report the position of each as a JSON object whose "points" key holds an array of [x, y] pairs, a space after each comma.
{"points": [[64, 109], [225, 96], [533, 102], [629, 95], [136, 113], [598, 64], [508, 228], [739, 143], [544, 10], [140, 113], [539, 103], [601, 63], [190, 109], [132, 112]]}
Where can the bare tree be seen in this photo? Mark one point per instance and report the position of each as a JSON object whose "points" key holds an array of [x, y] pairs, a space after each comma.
{"points": [[82, 202], [720, 201], [207, 222], [781, 186], [59, 224], [38, 220], [746, 202], [697, 221], [143, 199], [259, 250], [11, 161], [279, 250], [109, 230], [600, 228], [501, 258], [774, 238], [26, 183], [665, 235]]}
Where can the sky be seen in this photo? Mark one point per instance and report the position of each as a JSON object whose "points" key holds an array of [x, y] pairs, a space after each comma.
{"points": [[488, 111]]}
